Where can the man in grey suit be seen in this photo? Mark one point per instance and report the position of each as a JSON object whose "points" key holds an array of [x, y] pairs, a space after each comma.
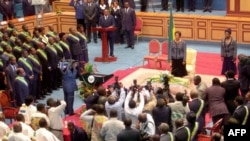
{"points": [[11, 75], [128, 24], [90, 11], [107, 21]]}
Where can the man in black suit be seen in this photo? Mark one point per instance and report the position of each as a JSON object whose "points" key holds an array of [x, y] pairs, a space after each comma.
{"points": [[232, 87], [182, 133], [7, 9], [76, 133], [241, 112], [130, 2], [128, 24], [207, 5], [108, 21], [10, 72], [162, 114], [90, 11], [197, 106], [129, 134]]}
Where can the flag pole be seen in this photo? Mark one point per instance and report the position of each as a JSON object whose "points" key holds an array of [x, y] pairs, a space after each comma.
{"points": [[170, 29]]}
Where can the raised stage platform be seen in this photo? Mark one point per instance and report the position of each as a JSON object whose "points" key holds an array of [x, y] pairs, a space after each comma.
{"points": [[193, 26]]}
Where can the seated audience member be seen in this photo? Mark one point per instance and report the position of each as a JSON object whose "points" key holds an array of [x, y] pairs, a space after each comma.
{"points": [[165, 133], [30, 109], [248, 107], [41, 113], [96, 120], [193, 126], [146, 125], [77, 133], [112, 127], [26, 129], [200, 86], [56, 108], [132, 111], [129, 134], [43, 134], [216, 137], [116, 103], [4, 128], [179, 108], [17, 134], [232, 87], [182, 132], [197, 105], [241, 111], [162, 114]]}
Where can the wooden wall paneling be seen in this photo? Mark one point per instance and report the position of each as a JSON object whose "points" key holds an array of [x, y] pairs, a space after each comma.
{"points": [[186, 27], [244, 30], [201, 29], [66, 21], [63, 6]]}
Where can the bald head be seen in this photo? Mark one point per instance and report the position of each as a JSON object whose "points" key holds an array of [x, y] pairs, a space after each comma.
{"points": [[194, 94]]}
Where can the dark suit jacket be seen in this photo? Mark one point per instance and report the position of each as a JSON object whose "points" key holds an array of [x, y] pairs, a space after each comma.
{"points": [[78, 135], [162, 115], [117, 16], [89, 12], [129, 134], [232, 90], [66, 50], [25, 68], [128, 19], [37, 68], [29, 9], [69, 80], [52, 58], [131, 3], [20, 91], [181, 134], [7, 10], [194, 106], [10, 76], [75, 47], [110, 21], [248, 119], [214, 95], [239, 114]]}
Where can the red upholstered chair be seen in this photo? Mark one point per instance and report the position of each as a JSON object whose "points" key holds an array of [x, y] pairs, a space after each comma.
{"points": [[215, 128], [164, 53], [9, 112], [138, 28], [154, 50], [203, 137]]}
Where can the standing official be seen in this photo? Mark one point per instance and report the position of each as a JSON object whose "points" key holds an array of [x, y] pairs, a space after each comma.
{"points": [[108, 21], [208, 5], [191, 5], [128, 24], [116, 13], [90, 11], [74, 43], [11, 75], [228, 52], [179, 5], [164, 5], [78, 5], [130, 2]]}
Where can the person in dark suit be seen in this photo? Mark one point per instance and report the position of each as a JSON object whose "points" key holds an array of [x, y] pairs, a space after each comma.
{"points": [[77, 133], [162, 114], [197, 105], [25, 63], [128, 24], [116, 13], [228, 52], [232, 86], [69, 72], [131, 3], [65, 45], [214, 96], [179, 5], [10, 72], [108, 21], [248, 107], [2, 76], [29, 9], [37, 71], [20, 87], [182, 133], [52, 63], [241, 112], [7, 9], [164, 5], [207, 5], [129, 134], [74, 44], [90, 11], [193, 126], [42, 56], [144, 5], [78, 5], [83, 43], [191, 5]]}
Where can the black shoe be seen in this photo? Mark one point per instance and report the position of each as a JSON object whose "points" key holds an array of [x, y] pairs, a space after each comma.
{"points": [[189, 10], [112, 55], [209, 10], [182, 10], [95, 41], [204, 10], [132, 47], [161, 9], [88, 41], [177, 10], [127, 47]]}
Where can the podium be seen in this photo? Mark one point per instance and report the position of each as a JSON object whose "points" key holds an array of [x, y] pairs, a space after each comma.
{"points": [[105, 48]]}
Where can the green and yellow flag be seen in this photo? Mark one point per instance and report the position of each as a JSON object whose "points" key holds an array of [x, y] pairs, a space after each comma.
{"points": [[171, 32]]}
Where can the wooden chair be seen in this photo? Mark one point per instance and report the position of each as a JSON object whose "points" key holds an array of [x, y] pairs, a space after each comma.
{"points": [[9, 112], [138, 28], [164, 53], [154, 50]]}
